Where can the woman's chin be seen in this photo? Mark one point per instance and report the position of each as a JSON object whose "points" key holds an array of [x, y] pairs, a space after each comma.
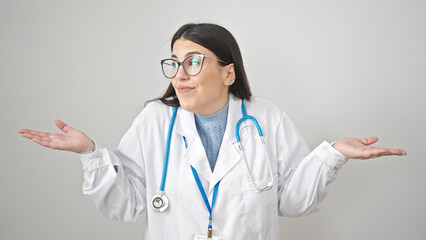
{"points": [[186, 106]]}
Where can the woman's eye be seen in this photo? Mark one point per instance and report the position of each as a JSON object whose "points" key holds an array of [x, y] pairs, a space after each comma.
{"points": [[194, 60]]}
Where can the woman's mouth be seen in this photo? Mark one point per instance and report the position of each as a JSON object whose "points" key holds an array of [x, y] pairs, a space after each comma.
{"points": [[184, 89]]}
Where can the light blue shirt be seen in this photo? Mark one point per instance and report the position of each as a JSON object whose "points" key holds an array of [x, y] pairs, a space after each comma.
{"points": [[211, 130]]}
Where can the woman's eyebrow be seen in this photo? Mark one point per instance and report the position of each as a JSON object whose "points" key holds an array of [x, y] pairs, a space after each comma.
{"points": [[187, 54], [191, 53]]}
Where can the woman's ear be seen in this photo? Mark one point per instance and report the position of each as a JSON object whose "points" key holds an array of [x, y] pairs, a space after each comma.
{"points": [[229, 74]]}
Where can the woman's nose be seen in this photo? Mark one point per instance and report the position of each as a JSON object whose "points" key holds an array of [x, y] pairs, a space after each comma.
{"points": [[181, 74]]}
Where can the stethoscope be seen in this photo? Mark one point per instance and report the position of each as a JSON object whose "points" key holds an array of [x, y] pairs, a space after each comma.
{"points": [[160, 202]]}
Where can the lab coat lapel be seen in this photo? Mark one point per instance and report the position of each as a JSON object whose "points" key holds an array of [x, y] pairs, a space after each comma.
{"points": [[195, 154], [228, 155]]}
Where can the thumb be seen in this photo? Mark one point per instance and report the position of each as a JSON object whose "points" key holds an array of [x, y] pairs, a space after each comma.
{"points": [[63, 126], [369, 140]]}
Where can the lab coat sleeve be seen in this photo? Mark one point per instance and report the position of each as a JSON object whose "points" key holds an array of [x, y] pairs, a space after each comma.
{"points": [[115, 180], [303, 177]]}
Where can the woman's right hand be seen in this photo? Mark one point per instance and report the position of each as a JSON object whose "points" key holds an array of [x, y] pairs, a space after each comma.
{"points": [[71, 140]]}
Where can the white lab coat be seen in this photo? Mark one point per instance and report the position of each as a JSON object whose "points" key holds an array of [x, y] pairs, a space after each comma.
{"points": [[300, 177]]}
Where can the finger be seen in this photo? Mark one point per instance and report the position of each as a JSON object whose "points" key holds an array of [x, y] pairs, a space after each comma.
{"points": [[44, 134], [399, 151], [369, 140], [378, 152], [63, 126], [27, 135], [29, 131], [23, 131], [30, 134], [394, 151]]}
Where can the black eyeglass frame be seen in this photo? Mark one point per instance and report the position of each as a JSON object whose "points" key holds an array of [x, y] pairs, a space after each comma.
{"points": [[203, 56]]}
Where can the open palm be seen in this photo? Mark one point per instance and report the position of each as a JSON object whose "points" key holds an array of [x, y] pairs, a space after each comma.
{"points": [[361, 148], [70, 140]]}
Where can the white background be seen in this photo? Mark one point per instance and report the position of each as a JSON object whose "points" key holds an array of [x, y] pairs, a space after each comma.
{"points": [[338, 68]]}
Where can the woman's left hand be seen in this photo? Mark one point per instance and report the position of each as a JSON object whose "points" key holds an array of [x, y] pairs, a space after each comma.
{"points": [[360, 148]]}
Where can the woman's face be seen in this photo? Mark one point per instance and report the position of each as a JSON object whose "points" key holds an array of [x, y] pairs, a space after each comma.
{"points": [[207, 92]]}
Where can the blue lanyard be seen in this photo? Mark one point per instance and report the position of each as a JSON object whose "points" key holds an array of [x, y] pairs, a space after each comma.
{"points": [[203, 194]]}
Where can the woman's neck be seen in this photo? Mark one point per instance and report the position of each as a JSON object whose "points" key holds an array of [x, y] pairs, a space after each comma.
{"points": [[218, 105]]}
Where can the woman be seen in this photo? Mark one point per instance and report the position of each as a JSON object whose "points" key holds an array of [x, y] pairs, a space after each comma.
{"points": [[221, 181]]}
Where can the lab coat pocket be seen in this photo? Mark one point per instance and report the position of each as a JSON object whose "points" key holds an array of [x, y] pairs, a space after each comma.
{"points": [[261, 208]]}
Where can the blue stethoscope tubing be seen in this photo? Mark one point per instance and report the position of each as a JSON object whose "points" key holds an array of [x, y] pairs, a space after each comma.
{"points": [[240, 147], [160, 202], [166, 154]]}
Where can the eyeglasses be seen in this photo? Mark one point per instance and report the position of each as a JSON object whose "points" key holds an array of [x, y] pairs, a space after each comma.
{"points": [[192, 65]]}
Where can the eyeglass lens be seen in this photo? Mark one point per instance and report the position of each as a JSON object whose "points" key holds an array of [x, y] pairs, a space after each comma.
{"points": [[192, 66]]}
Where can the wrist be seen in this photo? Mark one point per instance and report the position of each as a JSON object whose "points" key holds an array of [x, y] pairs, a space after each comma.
{"points": [[336, 146], [90, 147]]}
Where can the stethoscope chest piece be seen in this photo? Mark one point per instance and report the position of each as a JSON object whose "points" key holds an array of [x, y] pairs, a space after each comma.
{"points": [[160, 202]]}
